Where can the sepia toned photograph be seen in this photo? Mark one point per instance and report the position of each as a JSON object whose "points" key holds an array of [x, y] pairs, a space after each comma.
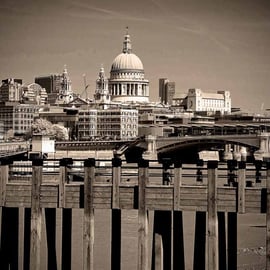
{"points": [[135, 135]]}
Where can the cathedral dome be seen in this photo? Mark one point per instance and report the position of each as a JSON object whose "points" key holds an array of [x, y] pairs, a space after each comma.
{"points": [[127, 82], [127, 61]]}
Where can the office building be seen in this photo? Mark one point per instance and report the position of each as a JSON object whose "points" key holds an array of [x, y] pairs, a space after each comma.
{"points": [[10, 90], [108, 124], [166, 91], [211, 103]]}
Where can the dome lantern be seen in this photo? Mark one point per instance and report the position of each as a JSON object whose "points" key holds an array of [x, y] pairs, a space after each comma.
{"points": [[127, 43]]}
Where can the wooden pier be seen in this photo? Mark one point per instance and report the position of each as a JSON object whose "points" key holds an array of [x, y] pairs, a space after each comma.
{"points": [[162, 189]]}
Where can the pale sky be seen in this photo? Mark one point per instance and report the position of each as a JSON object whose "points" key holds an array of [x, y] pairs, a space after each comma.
{"points": [[211, 45]]}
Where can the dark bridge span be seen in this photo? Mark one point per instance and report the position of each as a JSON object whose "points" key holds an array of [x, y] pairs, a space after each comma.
{"points": [[173, 143]]}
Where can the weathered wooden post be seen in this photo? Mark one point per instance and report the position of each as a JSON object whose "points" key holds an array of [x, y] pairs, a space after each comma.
{"points": [[268, 216], [36, 214], [66, 214], [26, 240], [241, 205], [4, 167], [178, 235], [212, 216], [9, 227], [116, 214], [143, 252], [232, 220], [88, 226]]}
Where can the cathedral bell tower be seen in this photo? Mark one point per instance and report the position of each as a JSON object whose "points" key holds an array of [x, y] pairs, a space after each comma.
{"points": [[65, 94], [102, 95]]}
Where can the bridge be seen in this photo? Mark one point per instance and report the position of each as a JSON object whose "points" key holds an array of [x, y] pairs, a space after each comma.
{"points": [[217, 197], [16, 150], [231, 146]]}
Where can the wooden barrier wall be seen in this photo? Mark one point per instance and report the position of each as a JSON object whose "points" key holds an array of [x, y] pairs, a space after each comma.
{"points": [[165, 248]]}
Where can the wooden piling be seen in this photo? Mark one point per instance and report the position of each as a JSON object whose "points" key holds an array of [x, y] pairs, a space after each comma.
{"points": [[66, 214], [4, 171], [212, 216], [143, 252], [241, 204], [36, 214], [63, 179], [116, 214], [26, 239], [177, 185], [268, 216], [116, 178], [88, 228]]}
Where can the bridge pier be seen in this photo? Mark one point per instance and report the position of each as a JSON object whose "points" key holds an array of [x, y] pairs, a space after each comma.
{"points": [[151, 152], [264, 151]]}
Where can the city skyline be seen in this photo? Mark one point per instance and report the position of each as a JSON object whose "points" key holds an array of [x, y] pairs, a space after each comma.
{"points": [[211, 45]]}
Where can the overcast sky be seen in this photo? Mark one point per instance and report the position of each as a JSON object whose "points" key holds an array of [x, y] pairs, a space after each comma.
{"points": [[211, 45]]}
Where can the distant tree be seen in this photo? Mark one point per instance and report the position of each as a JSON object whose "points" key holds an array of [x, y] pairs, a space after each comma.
{"points": [[45, 127], [10, 134], [60, 132], [42, 126]]}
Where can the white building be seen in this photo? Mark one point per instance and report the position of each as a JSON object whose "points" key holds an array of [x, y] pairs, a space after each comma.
{"points": [[199, 101], [127, 82], [87, 124], [34, 94]]}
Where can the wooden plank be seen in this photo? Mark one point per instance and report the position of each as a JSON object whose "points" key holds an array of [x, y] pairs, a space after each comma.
{"points": [[143, 223], [159, 196], [241, 187], [36, 215], [88, 228], [194, 197], [212, 217], [159, 189]]}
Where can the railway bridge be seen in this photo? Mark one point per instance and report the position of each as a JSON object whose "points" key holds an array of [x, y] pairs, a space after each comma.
{"points": [[230, 145]]}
